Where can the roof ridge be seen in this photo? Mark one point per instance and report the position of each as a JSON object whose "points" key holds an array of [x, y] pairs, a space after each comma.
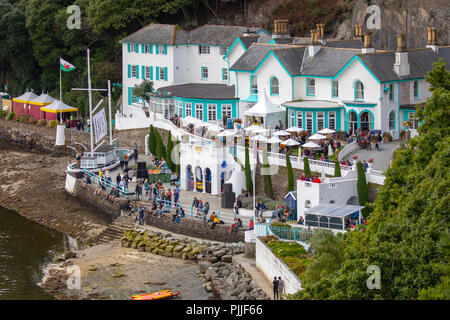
{"points": [[145, 27]]}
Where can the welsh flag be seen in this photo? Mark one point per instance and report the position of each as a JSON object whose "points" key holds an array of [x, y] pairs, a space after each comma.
{"points": [[65, 66]]}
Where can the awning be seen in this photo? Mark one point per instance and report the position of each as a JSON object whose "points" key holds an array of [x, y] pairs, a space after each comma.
{"points": [[334, 210], [26, 97], [251, 98], [58, 106], [43, 100]]}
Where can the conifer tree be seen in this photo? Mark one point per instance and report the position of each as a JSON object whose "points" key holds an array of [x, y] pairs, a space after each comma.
{"points": [[363, 190], [268, 189], [290, 174], [160, 149], [248, 172], [152, 140], [306, 168], [169, 161], [337, 169]]}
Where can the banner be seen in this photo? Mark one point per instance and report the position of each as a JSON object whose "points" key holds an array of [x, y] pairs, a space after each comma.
{"points": [[100, 127]]}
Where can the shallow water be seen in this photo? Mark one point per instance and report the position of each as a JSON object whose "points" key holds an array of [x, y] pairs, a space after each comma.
{"points": [[24, 247]]}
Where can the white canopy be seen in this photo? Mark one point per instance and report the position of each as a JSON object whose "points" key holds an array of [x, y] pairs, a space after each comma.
{"points": [[294, 129], [281, 133], [274, 140], [58, 106], [252, 127], [310, 145], [260, 130], [263, 107], [290, 143], [327, 131], [259, 138], [26, 97], [214, 127], [226, 133], [317, 137], [191, 120], [43, 99]]}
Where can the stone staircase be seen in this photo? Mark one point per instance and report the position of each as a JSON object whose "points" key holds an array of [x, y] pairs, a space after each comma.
{"points": [[116, 229]]}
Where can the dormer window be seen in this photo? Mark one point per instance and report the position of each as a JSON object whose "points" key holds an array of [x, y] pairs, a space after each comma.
{"points": [[203, 49], [359, 90], [416, 89], [253, 85], [274, 87], [311, 87], [223, 51]]}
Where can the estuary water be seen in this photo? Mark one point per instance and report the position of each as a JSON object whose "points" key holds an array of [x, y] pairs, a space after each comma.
{"points": [[25, 246]]}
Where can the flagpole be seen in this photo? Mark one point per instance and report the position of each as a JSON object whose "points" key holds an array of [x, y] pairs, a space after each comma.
{"points": [[60, 92], [90, 102], [109, 105]]}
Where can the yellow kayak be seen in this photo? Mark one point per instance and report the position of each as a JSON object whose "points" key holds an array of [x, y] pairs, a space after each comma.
{"points": [[155, 295]]}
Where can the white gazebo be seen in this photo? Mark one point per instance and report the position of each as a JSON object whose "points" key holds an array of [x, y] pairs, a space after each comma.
{"points": [[266, 110]]}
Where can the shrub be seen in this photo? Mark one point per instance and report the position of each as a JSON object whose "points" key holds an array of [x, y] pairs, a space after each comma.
{"points": [[337, 168], [52, 124], [280, 224], [16, 118], [24, 119], [290, 174], [42, 123], [306, 168], [11, 116], [3, 113], [248, 172], [32, 120]]}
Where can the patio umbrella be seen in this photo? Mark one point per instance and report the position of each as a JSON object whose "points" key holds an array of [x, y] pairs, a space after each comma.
{"points": [[310, 145], [290, 143], [259, 130], [294, 129], [317, 137], [226, 133], [252, 127], [274, 140], [259, 138], [281, 133], [214, 127], [327, 131], [190, 120]]}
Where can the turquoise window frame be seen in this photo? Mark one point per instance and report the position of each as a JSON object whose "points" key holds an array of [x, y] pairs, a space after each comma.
{"points": [[333, 93], [270, 84], [354, 90], [391, 91], [307, 87], [202, 77], [389, 121], [165, 74], [251, 87], [129, 71], [417, 95]]}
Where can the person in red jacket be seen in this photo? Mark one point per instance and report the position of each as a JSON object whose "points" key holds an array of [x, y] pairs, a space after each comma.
{"points": [[251, 225], [316, 180]]}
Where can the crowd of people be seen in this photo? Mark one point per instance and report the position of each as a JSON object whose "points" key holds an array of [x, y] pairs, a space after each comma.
{"points": [[314, 179]]}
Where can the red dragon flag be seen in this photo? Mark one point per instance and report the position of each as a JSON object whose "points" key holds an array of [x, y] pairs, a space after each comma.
{"points": [[65, 66]]}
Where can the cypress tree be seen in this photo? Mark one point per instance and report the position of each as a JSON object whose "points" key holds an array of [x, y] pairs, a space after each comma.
{"points": [[152, 140], [290, 174], [268, 190], [363, 190], [170, 163], [337, 169], [160, 149], [248, 172], [306, 168]]}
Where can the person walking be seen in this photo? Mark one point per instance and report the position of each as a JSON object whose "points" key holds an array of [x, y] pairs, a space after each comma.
{"points": [[141, 214], [176, 193], [379, 139], [275, 288], [280, 287], [138, 190]]}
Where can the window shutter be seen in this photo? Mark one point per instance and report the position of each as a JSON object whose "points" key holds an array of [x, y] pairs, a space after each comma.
{"points": [[151, 48], [129, 47], [143, 72], [165, 73], [130, 97], [156, 49], [137, 72], [143, 48], [137, 48], [151, 73], [129, 71], [157, 73], [165, 49]]}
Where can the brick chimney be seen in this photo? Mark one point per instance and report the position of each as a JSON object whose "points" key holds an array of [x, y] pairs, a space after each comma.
{"points": [[368, 48], [401, 65], [431, 41], [315, 46], [280, 28]]}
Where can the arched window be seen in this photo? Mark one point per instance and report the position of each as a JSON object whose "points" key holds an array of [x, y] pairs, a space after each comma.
{"points": [[359, 90], [391, 120], [274, 87]]}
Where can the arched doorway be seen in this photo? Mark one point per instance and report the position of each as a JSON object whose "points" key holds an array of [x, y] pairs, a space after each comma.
{"points": [[198, 179], [352, 121], [208, 180], [365, 120], [353, 201], [189, 178]]}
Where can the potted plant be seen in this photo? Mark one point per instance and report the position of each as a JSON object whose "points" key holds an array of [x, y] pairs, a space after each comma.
{"points": [[387, 137]]}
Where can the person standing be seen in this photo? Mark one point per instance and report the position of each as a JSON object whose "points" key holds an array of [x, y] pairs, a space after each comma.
{"points": [[82, 123], [138, 190], [275, 288], [176, 193], [141, 214], [135, 152]]}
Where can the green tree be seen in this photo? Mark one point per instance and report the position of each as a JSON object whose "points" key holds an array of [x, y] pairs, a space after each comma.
{"points": [[268, 189], [248, 172], [337, 168], [306, 168], [290, 174], [160, 149], [143, 90], [152, 140], [363, 189], [169, 161]]}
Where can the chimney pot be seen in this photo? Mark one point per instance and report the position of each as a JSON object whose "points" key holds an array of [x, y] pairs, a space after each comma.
{"points": [[367, 40], [281, 27], [401, 42]]}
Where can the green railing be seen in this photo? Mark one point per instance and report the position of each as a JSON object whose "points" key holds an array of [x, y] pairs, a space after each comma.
{"points": [[284, 233]]}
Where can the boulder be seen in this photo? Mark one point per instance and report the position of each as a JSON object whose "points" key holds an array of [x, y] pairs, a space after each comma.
{"points": [[203, 266], [219, 253], [210, 272], [227, 258]]}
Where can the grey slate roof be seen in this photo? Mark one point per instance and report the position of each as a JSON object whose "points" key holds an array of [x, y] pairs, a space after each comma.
{"points": [[291, 58], [253, 56], [420, 61], [169, 34], [247, 41], [349, 44], [327, 62], [201, 91]]}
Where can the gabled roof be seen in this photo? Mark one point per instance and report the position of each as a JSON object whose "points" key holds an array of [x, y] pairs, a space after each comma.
{"points": [[169, 34], [327, 62], [348, 44], [252, 58]]}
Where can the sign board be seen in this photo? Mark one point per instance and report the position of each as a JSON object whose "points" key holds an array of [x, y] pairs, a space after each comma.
{"points": [[100, 127]]}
